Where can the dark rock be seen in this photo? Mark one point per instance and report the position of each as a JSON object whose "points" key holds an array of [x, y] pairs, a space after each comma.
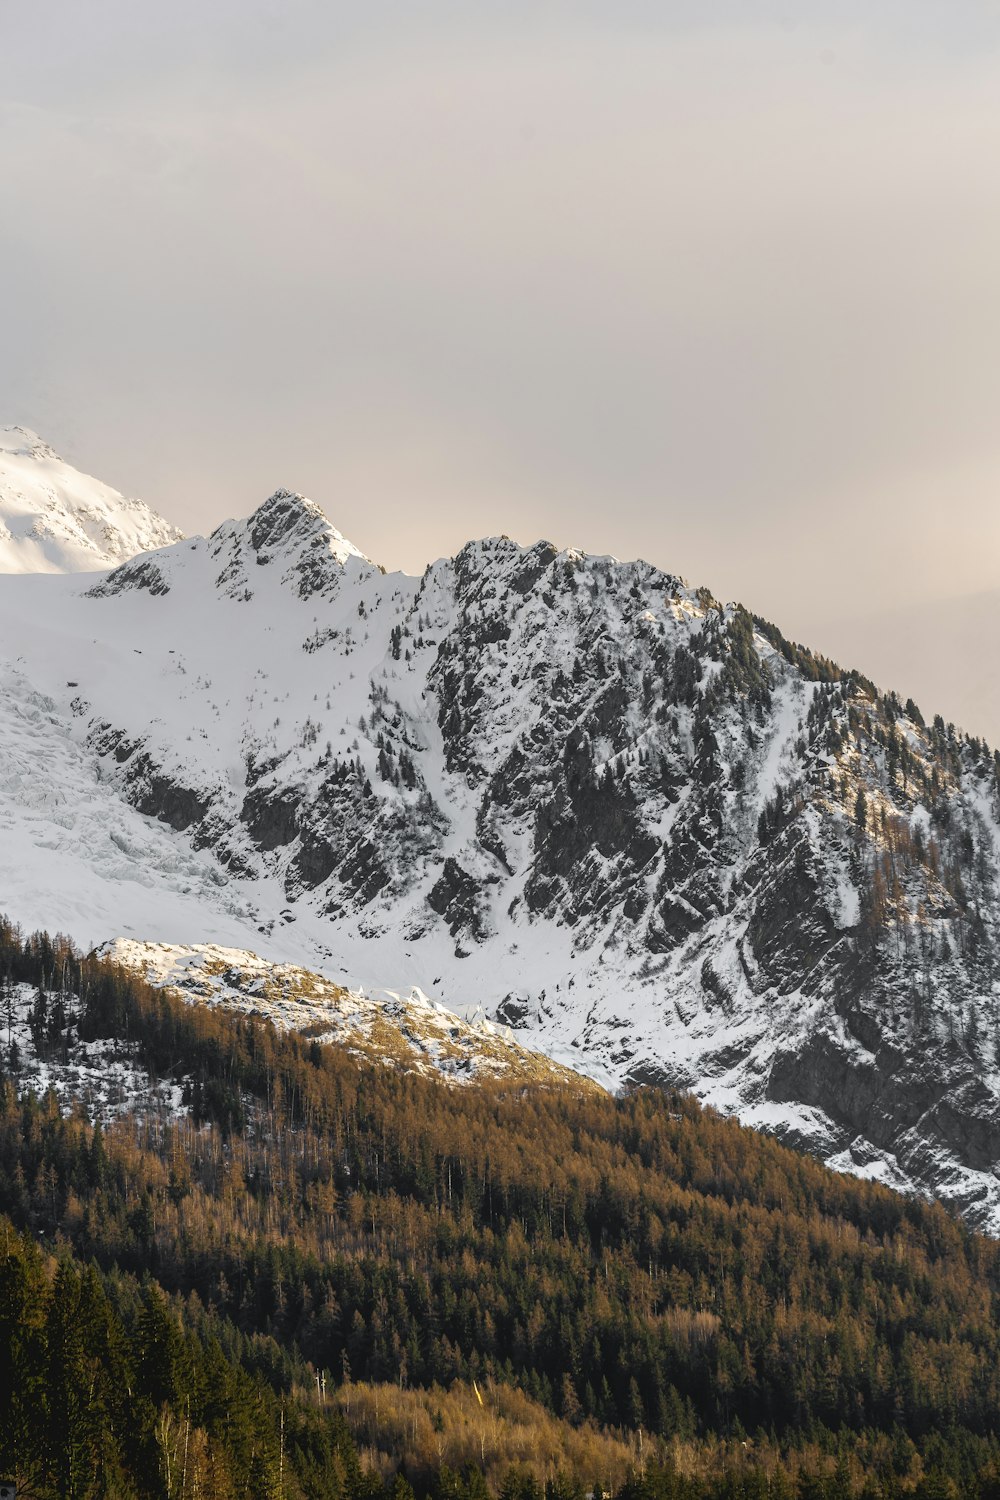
{"points": [[271, 817], [163, 797], [456, 896]]}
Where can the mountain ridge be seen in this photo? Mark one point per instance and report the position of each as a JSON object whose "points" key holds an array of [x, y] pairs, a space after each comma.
{"points": [[409, 1032], [637, 825]]}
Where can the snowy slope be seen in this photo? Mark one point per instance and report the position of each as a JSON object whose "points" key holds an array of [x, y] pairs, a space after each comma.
{"points": [[636, 825], [53, 519], [406, 1031]]}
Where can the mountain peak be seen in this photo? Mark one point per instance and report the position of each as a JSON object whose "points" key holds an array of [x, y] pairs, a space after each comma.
{"points": [[22, 442], [287, 520], [287, 540], [53, 519]]}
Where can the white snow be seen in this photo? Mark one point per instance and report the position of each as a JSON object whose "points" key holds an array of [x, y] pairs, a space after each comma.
{"points": [[53, 519]]}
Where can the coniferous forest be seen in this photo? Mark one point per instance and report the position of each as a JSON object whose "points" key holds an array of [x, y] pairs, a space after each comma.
{"points": [[329, 1279]]}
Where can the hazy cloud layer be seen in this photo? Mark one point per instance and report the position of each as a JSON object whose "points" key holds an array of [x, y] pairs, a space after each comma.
{"points": [[715, 284]]}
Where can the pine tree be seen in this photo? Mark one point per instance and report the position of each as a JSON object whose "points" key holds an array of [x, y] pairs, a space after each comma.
{"points": [[861, 809]]}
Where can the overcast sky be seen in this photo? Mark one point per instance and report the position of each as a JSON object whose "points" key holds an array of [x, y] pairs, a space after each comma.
{"points": [[712, 283]]}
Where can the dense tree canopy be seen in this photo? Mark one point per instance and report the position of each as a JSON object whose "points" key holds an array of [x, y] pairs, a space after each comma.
{"points": [[200, 1285]]}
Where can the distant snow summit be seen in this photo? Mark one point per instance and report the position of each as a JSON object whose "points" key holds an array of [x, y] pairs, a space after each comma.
{"points": [[53, 519]]}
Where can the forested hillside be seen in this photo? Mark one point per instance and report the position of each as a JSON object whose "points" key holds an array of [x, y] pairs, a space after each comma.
{"points": [[317, 1235]]}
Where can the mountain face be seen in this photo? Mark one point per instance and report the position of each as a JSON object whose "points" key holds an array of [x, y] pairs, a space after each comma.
{"points": [[639, 826], [53, 519]]}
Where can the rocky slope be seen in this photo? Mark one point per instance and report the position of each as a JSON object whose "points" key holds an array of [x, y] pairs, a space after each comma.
{"points": [[409, 1032], [53, 519], [45, 1047], [636, 824]]}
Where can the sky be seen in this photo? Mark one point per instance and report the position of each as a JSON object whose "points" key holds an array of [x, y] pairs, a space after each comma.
{"points": [[711, 283]]}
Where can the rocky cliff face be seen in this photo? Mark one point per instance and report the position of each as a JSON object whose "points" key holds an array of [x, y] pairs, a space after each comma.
{"points": [[636, 824]]}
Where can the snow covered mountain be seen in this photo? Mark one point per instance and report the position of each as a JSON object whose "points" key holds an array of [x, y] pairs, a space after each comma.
{"points": [[639, 826], [53, 519]]}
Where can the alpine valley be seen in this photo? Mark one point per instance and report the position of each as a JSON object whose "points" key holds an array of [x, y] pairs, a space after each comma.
{"points": [[568, 800]]}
